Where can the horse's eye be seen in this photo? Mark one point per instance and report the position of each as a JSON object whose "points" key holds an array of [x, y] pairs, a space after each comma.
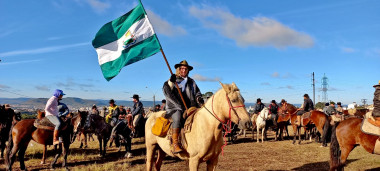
{"points": [[234, 101]]}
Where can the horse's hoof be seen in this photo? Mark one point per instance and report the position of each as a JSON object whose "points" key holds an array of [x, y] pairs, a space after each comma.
{"points": [[85, 146], [42, 162]]}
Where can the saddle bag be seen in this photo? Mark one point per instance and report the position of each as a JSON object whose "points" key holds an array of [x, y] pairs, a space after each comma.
{"points": [[161, 127]]}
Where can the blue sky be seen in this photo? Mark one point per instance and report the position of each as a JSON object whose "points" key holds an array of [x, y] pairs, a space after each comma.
{"points": [[268, 48]]}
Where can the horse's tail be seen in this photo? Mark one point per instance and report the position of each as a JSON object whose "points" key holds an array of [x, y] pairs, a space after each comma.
{"points": [[325, 134], [9, 146], [334, 150]]}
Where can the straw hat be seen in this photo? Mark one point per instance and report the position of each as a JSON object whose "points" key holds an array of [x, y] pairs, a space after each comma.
{"points": [[183, 63]]}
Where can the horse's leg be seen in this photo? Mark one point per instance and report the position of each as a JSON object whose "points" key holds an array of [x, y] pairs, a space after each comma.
{"points": [[58, 153], [299, 135], [262, 134], [211, 164], [244, 132], [21, 155], [258, 132], [66, 146], [80, 139], [160, 157], [345, 151], [295, 130], [12, 155], [193, 163], [150, 150], [2, 146], [104, 146], [85, 139], [44, 155], [100, 146]]}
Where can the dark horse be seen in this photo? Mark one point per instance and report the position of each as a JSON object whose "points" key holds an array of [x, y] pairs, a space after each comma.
{"points": [[24, 131], [346, 135], [103, 130], [7, 118], [289, 112]]}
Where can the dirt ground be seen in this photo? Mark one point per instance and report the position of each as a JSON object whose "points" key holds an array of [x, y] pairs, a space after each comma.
{"points": [[243, 155]]}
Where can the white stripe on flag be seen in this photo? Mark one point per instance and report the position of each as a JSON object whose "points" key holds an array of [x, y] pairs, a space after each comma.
{"points": [[142, 30]]}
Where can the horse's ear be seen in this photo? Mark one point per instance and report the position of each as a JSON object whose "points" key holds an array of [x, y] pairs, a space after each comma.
{"points": [[225, 87], [234, 87]]}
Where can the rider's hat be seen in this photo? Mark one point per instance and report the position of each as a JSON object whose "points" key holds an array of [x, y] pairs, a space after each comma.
{"points": [[135, 96], [377, 84], [283, 100], [183, 63], [7, 106], [258, 100], [273, 101]]}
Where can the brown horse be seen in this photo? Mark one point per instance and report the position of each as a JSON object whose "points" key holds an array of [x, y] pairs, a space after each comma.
{"points": [[24, 131], [7, 118], [346, 135], [319, 119]]}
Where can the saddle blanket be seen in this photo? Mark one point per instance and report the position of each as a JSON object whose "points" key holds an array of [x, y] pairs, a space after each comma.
{"points": [[306, 115], [44, 123], [376, 150], [369, 128]]}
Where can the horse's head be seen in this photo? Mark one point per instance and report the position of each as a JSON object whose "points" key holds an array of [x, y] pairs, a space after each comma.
{"points": [[264, 113], [79, 120], [40, 114], [231, 103], [287, 109]]}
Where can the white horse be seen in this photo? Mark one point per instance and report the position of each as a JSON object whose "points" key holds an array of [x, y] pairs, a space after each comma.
{"points": [[261, 122], [205, 140]]}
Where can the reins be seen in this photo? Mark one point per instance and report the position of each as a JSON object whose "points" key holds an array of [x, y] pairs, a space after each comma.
{"points": [[227, 124]]}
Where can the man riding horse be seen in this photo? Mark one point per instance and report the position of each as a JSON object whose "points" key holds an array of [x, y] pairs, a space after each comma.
{"points": [[174, 106], [376, 106], [306, 107], [52, 113]]}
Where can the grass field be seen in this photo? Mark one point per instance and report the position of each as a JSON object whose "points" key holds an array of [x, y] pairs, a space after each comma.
{"points": [[244, 155]]}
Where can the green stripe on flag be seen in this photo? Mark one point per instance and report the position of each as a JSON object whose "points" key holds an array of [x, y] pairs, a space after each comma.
{"points": [[115, 29], [141, 50]]}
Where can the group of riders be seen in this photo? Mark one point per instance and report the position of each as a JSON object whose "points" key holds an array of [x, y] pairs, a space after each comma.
{"points": [[181, 92], [174, 107]]}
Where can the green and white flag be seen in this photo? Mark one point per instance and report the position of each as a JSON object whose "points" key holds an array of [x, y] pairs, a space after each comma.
{"points": [[125, 40]]}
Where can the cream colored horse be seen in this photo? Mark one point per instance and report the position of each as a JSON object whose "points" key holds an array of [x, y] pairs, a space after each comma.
{"points": [[205, 139], [261, 123]]}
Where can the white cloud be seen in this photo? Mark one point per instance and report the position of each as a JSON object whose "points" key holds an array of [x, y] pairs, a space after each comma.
{"points": [[347, 50], [199, 77], [257, 31], [42, 88], [98, 5], [41, 50], [164, 27], [4, 86], [287, 87], [19, 62], [265, 84], [275, 75]]}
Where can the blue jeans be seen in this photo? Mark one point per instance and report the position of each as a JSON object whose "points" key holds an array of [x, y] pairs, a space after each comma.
{"points": [[55, 120], [177, 119]]}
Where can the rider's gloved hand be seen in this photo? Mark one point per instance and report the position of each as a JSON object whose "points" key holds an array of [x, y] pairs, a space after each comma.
{"points": [[173, 78]]}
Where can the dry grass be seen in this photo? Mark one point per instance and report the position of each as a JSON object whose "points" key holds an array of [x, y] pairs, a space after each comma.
{"points": [[245, 155]]}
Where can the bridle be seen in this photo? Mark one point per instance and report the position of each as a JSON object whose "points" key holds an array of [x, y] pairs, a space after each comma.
{"points": [[227, 124], [286, 110]]}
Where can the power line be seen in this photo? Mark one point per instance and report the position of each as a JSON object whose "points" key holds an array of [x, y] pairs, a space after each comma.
{"points": [[14, 93]]}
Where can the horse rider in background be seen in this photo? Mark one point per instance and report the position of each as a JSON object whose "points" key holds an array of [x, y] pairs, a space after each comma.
{"points": [[163, 105], [137, 110], [52, 113], [325, 108], [113, 113], [332, 112], [273, 111], [259, 106], [174, 106], [307, 106], [94, 110]]}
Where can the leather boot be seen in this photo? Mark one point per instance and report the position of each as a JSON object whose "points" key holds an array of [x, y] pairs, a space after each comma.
{"points": [[374, 121], [176, 144], [56, 137]]}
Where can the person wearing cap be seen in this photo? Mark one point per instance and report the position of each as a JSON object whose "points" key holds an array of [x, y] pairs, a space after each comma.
{"points": [[94, 110], [113, 113], [52, 113], [157, 108], [137, 110], [339, 108], [325, 108], [307, 106], [174, 105], [163, 105], [376, 106], [273, 110]]}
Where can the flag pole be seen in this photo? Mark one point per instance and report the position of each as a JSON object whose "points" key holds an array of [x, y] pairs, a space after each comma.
{"points": [[171, 72]]}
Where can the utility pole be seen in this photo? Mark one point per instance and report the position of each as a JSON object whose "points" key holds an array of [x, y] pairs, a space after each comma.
{"points": [[364, 101], [154, 100], [314, 89]]}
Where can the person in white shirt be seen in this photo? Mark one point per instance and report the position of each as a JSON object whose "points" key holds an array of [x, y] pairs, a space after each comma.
{"points": [[52, 112]]}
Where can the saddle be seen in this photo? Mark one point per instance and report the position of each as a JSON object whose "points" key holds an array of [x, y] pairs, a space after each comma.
{"points": [[305, 118], [45, 123], [161, 126], [369, 127]]}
